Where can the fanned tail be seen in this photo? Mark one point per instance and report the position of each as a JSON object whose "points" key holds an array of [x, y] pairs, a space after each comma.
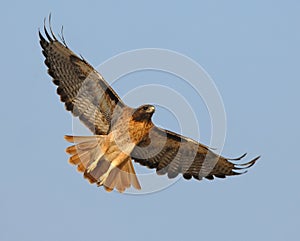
{"points": [[122, 178], [86, 152], [89, 155]]}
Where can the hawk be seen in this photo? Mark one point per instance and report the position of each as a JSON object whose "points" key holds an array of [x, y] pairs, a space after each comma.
{"points": [[121, 133]]}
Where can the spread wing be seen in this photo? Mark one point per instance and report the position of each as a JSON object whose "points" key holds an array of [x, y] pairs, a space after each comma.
{"points": [[83, 90], [173, 154]]}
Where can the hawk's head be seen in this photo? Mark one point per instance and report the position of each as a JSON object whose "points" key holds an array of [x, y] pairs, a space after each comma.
{"points": [[143, 113]]}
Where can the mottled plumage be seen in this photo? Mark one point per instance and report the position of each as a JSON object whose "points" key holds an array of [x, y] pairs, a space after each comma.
{"points": [[121, 133]]}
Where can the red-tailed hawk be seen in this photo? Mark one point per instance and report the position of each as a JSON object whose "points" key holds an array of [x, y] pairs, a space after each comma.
{"points": [[122, 133]]}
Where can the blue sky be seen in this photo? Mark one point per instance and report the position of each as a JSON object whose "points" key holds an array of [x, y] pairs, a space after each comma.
{"points": [[250, 49]]}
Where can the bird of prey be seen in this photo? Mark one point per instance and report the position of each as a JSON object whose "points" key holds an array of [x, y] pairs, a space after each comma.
{"points": [[122, 134]]}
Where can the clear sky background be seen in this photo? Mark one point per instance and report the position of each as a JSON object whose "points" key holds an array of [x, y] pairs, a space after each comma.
{"points": [[250, 48]]}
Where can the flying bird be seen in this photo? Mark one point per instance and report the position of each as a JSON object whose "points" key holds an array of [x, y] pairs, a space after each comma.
{"points": [[122, 134]]}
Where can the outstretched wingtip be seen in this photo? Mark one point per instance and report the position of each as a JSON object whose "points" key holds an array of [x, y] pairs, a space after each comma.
{"points": [[47, 34], [50, 27], [40, 34], [43, 42], [246, 165], [61, 36], [238, 158], [239, 173], [51, 37]]}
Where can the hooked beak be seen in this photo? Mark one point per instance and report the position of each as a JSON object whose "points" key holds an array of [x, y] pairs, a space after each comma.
{"points": [[151, 109]]}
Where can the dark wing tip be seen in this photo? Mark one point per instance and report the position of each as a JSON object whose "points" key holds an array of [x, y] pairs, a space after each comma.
{"points": [[242, 168], [46, 32], [41, 36], [43, 42], [246, 165], [50, 36], [238, 158], [237, 169], [50, 27], [187, 176], [61, 36]]}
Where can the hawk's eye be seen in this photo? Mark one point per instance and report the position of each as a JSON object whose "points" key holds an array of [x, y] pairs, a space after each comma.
{"points": [[145, 108]]}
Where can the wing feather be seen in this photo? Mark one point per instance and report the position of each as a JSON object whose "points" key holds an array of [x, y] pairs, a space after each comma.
{"points": [[83, 90], [173, 154]]}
